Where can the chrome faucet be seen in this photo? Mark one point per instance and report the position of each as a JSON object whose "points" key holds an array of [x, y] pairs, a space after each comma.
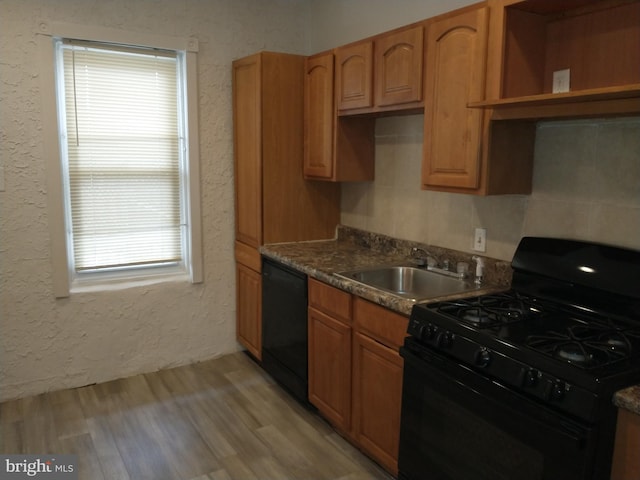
{"points": [[425, 258]]}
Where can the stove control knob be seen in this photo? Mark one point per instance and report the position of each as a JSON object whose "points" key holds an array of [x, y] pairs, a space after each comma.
{"points": [[557, 390], [444, 339], [427, 331], [431, 331], [420, 331], [530, 377], [482, 357]]}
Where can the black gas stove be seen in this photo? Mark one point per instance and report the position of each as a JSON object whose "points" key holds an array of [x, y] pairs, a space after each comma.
{"points": [[554, 335], [562, 340]]}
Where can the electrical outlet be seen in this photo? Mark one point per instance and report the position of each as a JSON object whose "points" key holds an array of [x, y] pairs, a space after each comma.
{"points": [[480, 240], [561, 81]]}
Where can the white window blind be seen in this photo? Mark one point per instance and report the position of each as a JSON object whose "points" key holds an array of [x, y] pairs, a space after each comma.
{"points": [[123, 157]]}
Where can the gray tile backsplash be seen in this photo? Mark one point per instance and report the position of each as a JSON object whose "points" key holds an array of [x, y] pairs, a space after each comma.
{"points": [[586, 185]]}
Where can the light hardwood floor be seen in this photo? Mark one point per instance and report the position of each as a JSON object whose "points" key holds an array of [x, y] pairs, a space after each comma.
{"points": [[223, 419]]}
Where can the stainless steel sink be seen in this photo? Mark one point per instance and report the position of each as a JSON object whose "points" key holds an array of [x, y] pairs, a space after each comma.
{"points": [[408, 282]]}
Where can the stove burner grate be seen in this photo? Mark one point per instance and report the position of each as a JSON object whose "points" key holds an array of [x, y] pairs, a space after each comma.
{"points": [[591, 345], [491, 310]]}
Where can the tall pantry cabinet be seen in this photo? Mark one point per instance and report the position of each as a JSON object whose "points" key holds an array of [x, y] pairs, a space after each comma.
{"points": [[273, 202]]}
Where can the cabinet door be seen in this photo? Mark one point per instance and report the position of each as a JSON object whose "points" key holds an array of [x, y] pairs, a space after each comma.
{"points": [[330, 368], [626, 462], [247, 143], [398, 64], [456, 60], [377, 393], [354, 70], [249, 309], [318, 116]]}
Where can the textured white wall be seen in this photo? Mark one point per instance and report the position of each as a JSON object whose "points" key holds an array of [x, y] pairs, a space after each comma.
{"points": [[48, 344]]}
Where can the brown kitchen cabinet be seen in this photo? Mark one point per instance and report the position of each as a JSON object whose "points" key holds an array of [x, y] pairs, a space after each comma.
{"points": [[377, 381], [463, 151], [598, 41], [273, 202], [330, 353], [398, 68], [249, 309], [626, 461], [377, 395], [383, 73], [354, 76], [336, 149], [355, 370]]}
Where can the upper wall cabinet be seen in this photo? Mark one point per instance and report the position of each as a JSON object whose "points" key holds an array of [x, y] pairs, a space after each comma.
{"points": [[381, 74], [398, 67], [354, 76], [335, 149], [456, 59], [464, 151], [563, 58], [318, 116]]}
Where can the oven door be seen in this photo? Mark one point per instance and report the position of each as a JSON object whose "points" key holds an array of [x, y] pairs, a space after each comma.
{"points": [[459, 425]]}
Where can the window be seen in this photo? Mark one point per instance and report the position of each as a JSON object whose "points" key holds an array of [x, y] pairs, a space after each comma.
{"points": [[126, 167]]}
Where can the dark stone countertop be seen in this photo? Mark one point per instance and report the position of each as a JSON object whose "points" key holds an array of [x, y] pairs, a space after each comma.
{"points": [[353, 249], [629, 399]]}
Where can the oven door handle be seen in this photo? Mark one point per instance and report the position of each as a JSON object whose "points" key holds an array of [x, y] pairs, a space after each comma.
{"points": [[573, 432]]}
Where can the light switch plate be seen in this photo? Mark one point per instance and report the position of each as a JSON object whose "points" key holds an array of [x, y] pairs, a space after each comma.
{"points": [[480, 240], [561, 81]]}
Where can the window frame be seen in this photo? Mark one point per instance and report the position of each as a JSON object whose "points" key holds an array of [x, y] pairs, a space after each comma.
{"points": [[64, 280]]}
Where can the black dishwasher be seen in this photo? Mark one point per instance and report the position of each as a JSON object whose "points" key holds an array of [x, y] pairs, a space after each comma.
{"points": [[284, 326]]}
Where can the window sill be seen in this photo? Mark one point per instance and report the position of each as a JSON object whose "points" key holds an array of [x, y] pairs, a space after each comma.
{"points": [[90, 286]]}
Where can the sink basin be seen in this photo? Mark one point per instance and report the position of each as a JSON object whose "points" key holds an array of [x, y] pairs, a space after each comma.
{"points": [[409, 282]]}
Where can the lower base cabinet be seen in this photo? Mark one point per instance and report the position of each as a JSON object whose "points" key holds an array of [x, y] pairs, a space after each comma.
{"points": [[330, 370], [377, 394], [249, 309], [626, 458], [355, 370]]}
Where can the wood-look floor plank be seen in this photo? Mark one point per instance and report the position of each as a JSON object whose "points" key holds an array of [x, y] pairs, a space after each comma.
{"points": [[361, 464], [238, 468], [219, 475], [288, 453], [139, 446], [223, 419], [11, 437], [88, 463], [301, 429], [69, 420], [271, 468], [39, 431], [107, 449]]}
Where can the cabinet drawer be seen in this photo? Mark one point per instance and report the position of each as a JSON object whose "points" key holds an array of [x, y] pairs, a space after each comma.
{"points": [[330, 300], [381, 324], [248, 256]]}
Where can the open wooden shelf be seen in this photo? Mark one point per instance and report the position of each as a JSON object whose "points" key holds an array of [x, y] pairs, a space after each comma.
{"points": [[607, 101], [592, 94]]}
